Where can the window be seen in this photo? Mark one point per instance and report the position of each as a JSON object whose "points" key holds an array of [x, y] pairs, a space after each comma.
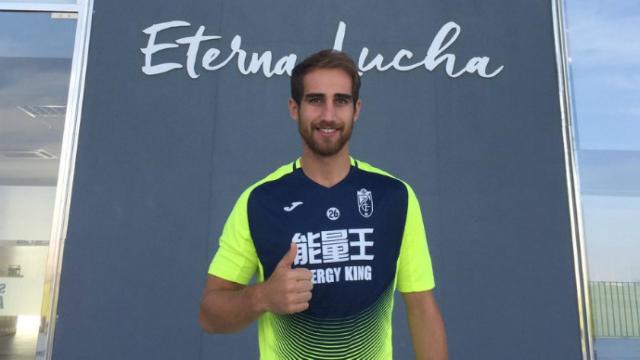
{"points": [[38, 105], [604, 61]]}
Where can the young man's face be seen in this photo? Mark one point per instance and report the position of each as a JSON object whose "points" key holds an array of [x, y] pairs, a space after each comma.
{"points": [[326, 112]]}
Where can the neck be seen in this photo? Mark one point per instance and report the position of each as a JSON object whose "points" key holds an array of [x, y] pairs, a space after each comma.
{"points": [[326, 170]]}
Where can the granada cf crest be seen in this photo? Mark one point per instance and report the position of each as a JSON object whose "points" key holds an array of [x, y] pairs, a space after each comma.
{"points": [[365, 202]]}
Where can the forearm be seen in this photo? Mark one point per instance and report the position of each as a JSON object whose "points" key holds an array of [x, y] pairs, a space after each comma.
{"points": [[228, 306], [427, 327], [230, 310], [429, 339]]}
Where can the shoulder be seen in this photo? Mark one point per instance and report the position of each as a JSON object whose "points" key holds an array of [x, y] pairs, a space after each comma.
{"points": [[366, 167], [274, 176]]}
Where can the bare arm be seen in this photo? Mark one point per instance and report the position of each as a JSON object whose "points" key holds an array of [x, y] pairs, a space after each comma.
{"points": [[228, 307], [426, 326]]}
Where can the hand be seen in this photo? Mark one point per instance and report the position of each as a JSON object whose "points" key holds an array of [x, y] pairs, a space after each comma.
{"points": [[287, 291]]}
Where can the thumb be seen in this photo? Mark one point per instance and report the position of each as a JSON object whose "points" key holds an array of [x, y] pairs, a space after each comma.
{"points": [[289, 257]]}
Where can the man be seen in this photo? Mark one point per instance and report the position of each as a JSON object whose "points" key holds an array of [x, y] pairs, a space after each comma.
{"points": [[330, 238]]}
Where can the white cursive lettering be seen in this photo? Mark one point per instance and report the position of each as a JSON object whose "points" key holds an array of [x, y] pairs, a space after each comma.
{"points": [[252, 63]]}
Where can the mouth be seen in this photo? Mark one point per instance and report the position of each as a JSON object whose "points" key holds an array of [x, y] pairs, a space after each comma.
{"points": [[327, 132], [327, 128]]}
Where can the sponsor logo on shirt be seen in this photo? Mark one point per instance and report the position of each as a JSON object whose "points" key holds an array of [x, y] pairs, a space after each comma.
{"points": [[335, 246], [294, 205]]}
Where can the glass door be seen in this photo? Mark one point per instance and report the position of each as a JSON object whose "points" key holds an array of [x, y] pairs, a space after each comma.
{"points": [[36, 50], [605, 62]]}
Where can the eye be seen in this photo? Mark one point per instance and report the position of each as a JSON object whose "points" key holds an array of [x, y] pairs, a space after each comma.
{"points": [[343, 101], [314, 100]]}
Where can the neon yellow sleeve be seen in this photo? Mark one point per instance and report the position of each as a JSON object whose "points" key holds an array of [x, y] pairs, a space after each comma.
{"points": [[236, 259], [414, 265]]}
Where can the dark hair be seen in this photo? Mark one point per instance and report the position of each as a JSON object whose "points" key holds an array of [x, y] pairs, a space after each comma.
{"points": [[324, 59]]}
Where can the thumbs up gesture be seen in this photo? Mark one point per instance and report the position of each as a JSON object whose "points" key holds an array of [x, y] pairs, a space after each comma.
{"points": [[288, 290]]}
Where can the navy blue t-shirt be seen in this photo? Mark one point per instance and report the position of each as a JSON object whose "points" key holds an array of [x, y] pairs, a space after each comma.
{"points": [[360, 238]]}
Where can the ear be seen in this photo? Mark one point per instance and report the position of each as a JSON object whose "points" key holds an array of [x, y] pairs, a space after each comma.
{"points": [[293, 109], [357, 110]]}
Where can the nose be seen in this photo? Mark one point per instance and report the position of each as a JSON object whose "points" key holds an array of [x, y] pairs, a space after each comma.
{"points": [[329, 111]]}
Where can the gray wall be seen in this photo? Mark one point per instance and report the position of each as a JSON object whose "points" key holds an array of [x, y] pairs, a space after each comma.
{"points": [[162, 158]]}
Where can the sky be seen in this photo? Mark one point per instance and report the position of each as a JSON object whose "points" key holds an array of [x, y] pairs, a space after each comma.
{"points": [[24, 34], [604, 49], [604, 52]]}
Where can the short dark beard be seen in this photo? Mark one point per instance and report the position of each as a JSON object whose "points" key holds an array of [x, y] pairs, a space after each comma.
{"points": [[319, 150]]}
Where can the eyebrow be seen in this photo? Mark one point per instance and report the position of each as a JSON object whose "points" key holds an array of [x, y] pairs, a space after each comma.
{"points": [[337, 96], [343, 96]]}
